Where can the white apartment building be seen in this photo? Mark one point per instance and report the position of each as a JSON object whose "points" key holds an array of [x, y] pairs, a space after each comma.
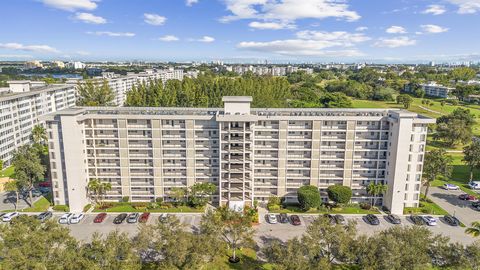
{"points": [[432, 89], [20, 106], [248, 153]]}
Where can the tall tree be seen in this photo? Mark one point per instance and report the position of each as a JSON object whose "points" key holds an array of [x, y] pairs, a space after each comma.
{"points": [[200, 194], [474, 229], [230, 227], [376, 189], [94, 93], [12, 186], [472, 156], [39, 134], [436, 163], [98, 189], [28, 167]]}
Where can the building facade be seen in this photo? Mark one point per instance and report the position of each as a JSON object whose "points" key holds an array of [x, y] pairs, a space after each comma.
{"points": [[247, 153], [432, 89]]}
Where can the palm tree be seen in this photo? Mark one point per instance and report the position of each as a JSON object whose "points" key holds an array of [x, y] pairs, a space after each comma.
{"points": [[104, 188], [39, 134], [12, 186], [375, 189], [474, 230], [97, 189]]}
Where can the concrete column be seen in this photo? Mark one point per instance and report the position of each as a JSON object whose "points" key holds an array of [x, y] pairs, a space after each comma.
{"points": [[316, 142], [282, 158], [157, 158], [124, 157], [190, 143], [349, 150]]}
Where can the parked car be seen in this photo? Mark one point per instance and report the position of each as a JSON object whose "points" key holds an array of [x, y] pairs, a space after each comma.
{"points": [[45, 216], [394, 219], [417, 220], [429, 220], [36, 193], [476, 207], [467, 197], [144, 217], [120, 218], [44, 190], [372, 219], [474, 184], [9, 216], [163, 218], [100, 218], [45, 184], [339, 219], [448, 186], [451, 220], [76, 218], [272, 218], [330, 218], [295, 220], [133, 218], [283, 218], [65, 218]]}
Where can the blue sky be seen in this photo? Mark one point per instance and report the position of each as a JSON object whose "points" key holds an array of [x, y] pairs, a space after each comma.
{"points": [[281, 30]]}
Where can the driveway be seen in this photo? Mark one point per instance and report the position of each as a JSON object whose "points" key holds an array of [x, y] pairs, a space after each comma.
{"points": [[8, 199], [448, 200]]}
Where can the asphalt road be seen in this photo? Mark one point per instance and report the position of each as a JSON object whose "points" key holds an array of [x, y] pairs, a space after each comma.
{"points": [[448, 200], [8, 199]]}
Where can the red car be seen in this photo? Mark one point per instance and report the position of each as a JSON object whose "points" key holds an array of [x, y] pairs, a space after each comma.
{"points": [[45, 184], [144, 217], [467, 197], [100, 218], [295, 220]]}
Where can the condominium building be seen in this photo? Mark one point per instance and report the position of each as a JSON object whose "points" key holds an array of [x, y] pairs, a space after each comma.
{"points": [[20, 106], [432, 89], [249, 154]]}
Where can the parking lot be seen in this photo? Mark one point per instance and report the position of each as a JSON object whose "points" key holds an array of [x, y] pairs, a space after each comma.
{"points": [[448, 200], [264, 231]]}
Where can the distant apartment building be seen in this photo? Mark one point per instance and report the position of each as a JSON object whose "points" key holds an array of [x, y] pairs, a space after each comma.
{"points": [[432, 89], [21, 104], [33, 65], [266, 70], [75, 65], [249, 154]]}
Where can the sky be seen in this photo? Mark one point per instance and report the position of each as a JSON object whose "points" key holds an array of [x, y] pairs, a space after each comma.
{"points": [[241, 30]]}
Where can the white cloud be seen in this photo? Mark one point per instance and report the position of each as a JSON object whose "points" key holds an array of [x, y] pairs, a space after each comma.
{"points": [[433, 29], [271, 25], [7, 56], [396, 30], [395, 42], [168, 38], [288, 10], [466, 6], [435, 10], [190, 2], [206, 39], [112, 34], [154, 19], [29, 48], [311, 43], [361, 29], [90, 18], [71, 5], [82, 53]]}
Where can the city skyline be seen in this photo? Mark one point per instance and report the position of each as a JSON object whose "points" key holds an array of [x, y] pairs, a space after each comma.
{"points": [[285, 30]]}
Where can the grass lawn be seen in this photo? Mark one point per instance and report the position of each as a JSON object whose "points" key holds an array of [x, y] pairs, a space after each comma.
{"points": [[425, 208], [292, 209], [8, 172], [127, 207], [41, 205], [417, 105], [248, 260], [460, 175]]}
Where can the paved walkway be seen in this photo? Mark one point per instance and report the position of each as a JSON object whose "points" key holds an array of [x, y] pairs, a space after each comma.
{"points": [[429, 110]]}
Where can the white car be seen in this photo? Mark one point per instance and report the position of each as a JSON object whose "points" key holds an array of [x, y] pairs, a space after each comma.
{"points": [[429, 220], [272, 218], [448, 186], [76, 218], [65, 218], [474, 184], [9, 216]]}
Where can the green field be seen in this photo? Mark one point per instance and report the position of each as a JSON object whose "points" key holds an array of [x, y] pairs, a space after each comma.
{"points": [[41, 205], [8, 172], [460, 175]]}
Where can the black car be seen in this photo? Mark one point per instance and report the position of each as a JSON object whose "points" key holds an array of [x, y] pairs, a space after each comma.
{"points": [[451, 220], [394, 219], [372, 219], [295, 220], [283, 218], [339, 219], [330, 218], [417, 220], [45, 216], [120, 218]]}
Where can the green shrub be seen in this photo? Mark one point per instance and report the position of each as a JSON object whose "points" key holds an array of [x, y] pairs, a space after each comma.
{"points": [[167, 205], [138, 205], [365, 206], [87, 207], [61, 207], [106, 205], [308, 197], [273, 207], [159, 200], [339, 193], [152, 205], [125, 199]]}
